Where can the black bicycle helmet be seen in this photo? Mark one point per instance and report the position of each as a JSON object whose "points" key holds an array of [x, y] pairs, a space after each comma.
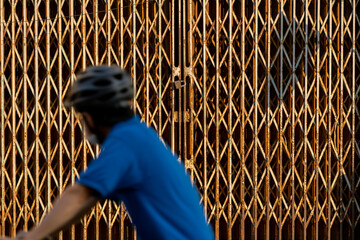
{"points": [[100, 87]]}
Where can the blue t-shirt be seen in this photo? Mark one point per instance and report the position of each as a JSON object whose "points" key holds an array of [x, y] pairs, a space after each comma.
{"points": [[135, 167]]}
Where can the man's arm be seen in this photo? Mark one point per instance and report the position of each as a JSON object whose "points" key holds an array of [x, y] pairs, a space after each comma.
{"points": [[68, 209]]}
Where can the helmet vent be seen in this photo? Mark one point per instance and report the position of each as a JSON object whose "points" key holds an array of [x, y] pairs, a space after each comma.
{"points": [[87, 93], [102, 82], [119, 76], [124, 90], [98, 69], [85, 79], [107, 96]]}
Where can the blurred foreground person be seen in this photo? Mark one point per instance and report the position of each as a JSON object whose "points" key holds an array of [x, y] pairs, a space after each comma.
{"points": [[133, 167]]}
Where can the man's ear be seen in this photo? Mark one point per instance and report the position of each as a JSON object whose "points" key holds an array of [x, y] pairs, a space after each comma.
{"points": [[89, 120]]}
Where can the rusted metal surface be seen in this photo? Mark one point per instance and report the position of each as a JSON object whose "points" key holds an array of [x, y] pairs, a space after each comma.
{"points": [[258, 98]]}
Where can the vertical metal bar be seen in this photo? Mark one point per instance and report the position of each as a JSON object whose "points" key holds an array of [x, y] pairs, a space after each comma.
{"points": [[329, 107], [281, 131], [13, 118], [353, 126], [173, 26], [2, 109], [342, 171], [37, 102], [60, 123], [306, 108], [292, 140], [192, 86], [204, 107], [48, 108], [267, 126], [159, 43], [317, 110], [178, 65], [97, 22], [83, 34], [108, 34], [133, 16], [217, 124], [255, 120], [121, 24], [71, 111], [147, 114], [184, 78], [230, 120], [25, 113], [242, 128]]}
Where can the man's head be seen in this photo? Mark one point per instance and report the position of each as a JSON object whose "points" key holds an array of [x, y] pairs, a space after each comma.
{"points": [[101, 95]]}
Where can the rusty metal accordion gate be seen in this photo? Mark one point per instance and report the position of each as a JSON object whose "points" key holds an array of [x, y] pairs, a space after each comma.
{"points": [[260, 99]]}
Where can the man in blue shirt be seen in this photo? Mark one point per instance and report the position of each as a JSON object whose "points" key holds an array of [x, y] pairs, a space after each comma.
{"points": [[134, 166]]}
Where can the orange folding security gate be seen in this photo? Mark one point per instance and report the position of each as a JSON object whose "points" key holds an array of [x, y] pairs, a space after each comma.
{"points": [[260, 99]]}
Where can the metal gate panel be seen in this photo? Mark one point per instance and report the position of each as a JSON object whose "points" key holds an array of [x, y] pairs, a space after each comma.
{"points": [[258, 98], [275, 116], [43, 45]]}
